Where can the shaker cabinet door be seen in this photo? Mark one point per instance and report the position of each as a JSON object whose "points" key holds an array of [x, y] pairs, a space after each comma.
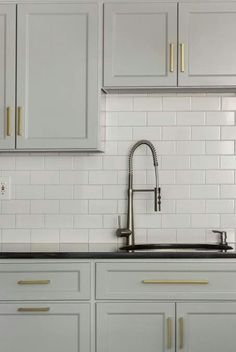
{"points": [[135, 327], [7, 75], [140, 45], [44, 327], [57, 97], [206, 327], [207, 55]]}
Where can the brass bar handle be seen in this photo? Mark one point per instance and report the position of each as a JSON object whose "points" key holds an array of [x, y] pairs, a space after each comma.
{"points": [[8, 121], [171, 57], [19, 121], [33, 282], [181, 333], [33, 309], [176, 282], [182, 58], [169, 333]]}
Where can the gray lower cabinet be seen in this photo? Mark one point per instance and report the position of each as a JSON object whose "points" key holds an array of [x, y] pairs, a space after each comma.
{"points": [[206, 327], [44, 327], [207, 35], [140, 44], [135, 327]]}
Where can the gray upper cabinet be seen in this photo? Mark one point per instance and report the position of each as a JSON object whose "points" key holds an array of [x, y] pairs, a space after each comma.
{"points": [[57, 76], [208, 55], [7, 75], [140, 42]]}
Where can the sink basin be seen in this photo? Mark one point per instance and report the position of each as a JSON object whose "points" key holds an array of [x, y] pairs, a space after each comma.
{"points": [[173, 246]]}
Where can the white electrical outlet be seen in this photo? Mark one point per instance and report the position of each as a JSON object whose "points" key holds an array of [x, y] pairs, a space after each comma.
{"points": [[5, 187]]}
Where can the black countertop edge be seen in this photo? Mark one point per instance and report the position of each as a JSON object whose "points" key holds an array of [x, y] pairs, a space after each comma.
{"points": [[116, 255]]}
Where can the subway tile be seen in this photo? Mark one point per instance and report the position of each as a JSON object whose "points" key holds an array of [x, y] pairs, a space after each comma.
{"points": [[228, 220], [176, 103], [204, 192], [191, 235], [153, 133], [44, 236], [74, 177], [29, 162], [191, 177], [219, 176], [205, 220], [58, 162], [176, 133], [7, 162], [87, 162], [7, 221], [228, 191], [44, 206], [167, 206], [205, 133], [102, 236], [101, 177], [148, 221], [119, 133], [103, 206], [228, 133], [190, 206], [161, 118], [117, 163], [175, 220], [204, 162], [205, 103], [175, 192], [161, 236], [147, 103], [115, 103], [74, 206], [18, 177], [58, 192], [131, 118], [220, 118], [29, 192], [30, 221], [190, 147], [175, 162], [74, 236], [111, 119], [88, 221], [228, 103], [15, 235], [44, 177], [87, 192], [59, 221], [15, 206], [228, 162], [218, 148], [139, 177], [110, 148], [190, 118], [219, 206], [114, 192]]}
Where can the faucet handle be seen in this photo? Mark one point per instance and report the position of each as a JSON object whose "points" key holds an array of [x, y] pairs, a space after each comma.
{"points": [[223, 236], [122, 232]]}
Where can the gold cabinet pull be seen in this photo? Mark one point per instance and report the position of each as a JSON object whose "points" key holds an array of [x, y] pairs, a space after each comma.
{"points": [[169, 333], [182, 58], [176, 282], [8, 121], [181, 333], [33, 282], [19, 121], [171, 57], [33, 309]]}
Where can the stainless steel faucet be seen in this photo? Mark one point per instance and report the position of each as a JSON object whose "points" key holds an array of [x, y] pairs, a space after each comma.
{"points": [[128, 232]]}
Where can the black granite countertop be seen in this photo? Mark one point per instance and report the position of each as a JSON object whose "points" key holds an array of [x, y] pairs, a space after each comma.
{"points": [[98, 251]]}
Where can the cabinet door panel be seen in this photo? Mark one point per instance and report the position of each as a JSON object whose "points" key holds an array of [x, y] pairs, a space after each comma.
{"points": [[135, 327], [207, 327], [57, 75], [208, 33], [7, 75], [136, 44], [65, 327]]}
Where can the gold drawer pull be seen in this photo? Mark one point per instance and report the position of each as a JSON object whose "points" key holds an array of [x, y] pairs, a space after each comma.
{"points": [[19, 121], [171, 57], [33, 309], [169, 333], [33, 282], [177, 282], [181, 333], [182, 58], [8, 121]]}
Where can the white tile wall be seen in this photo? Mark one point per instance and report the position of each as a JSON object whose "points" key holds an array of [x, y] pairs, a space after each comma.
{"points": [[76, 198]]}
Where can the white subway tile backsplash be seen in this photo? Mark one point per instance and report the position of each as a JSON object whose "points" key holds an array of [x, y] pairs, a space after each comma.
{"points": [[75, 198]]}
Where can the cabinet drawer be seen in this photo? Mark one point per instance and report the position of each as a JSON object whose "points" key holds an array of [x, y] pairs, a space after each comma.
{"points": [[166, 280], [39, 281]]}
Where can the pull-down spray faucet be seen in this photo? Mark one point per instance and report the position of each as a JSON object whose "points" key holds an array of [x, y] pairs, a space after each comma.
{"points": [[129, 231]]}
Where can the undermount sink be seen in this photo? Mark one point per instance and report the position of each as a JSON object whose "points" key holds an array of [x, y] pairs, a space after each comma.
{"points": [[173, 246]]}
